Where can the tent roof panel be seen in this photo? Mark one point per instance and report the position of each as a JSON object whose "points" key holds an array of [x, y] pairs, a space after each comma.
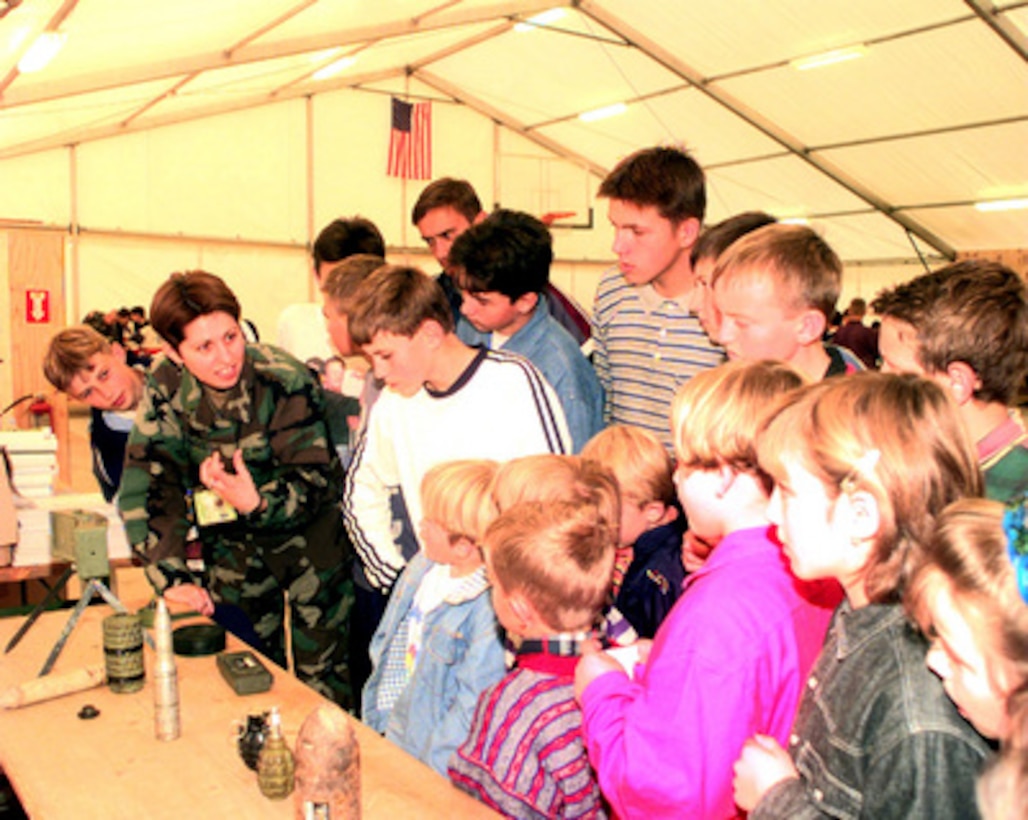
{"points": [[784, 186], [897, 87], [934, 113], [685, 117], [557, 75], [959, 166], [709, 37]]}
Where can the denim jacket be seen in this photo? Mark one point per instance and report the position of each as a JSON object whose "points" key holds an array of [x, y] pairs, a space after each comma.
{"points": [[461, 654], [558, 357], [875, 734]]}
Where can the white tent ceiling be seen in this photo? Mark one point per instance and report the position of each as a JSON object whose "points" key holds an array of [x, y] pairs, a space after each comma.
{"points": [[890, 150]]}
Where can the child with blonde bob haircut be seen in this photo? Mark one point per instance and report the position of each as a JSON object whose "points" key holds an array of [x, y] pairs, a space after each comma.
{"points": [[574, 480], [438, 645], [648, 571], [863, 467], [731, 657], [550, 563], [972, 601]]}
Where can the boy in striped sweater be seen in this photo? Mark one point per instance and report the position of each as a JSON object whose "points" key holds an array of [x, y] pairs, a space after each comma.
{"points": [[550, 564]]}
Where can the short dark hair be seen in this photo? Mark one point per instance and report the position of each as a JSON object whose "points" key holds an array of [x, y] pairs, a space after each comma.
{"points": [[509, 252], [345, 237], [667, 178], [447, 192], [397, 299], [184, 297], [714, 241], [974, 311]]}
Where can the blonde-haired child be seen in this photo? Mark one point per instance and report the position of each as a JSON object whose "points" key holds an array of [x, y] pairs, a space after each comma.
{"points": [[550, 563], [438, 645], [970, 595], [648, 571], [731, 657], [863, 466], [573, 480]]}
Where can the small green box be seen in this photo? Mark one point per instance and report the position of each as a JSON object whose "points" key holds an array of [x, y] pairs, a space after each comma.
{"points": [[80, 537], [244, 672]]}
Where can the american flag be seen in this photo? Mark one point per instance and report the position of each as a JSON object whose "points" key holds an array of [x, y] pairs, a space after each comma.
{"points": [[410, 141]]}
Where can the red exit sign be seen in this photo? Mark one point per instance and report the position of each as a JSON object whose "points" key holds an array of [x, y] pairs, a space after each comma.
{"points": [[37, 307]]}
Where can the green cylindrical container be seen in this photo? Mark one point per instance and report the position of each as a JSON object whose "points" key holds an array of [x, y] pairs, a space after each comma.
{"points": [[123, 652]]}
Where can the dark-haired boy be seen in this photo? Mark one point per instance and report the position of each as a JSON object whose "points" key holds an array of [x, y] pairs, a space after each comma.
{"points": [[647, 340], [444, 210], [502, 267], [966, 327]]}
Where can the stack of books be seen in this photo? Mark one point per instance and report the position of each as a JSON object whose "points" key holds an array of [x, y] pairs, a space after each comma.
{"points": [[33, 457]]}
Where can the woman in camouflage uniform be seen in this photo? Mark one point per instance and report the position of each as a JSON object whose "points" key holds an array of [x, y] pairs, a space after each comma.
{"points": [[230, 438]]}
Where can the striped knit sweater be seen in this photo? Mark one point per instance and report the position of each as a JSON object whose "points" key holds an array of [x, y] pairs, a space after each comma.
{"points": [[646, 347], [524, 755]]}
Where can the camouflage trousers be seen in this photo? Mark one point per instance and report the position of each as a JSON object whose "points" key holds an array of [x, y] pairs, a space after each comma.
{"points": [[253, 577]]}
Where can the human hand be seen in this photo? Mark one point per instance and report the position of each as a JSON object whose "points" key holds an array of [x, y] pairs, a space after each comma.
{"points": [[591, 665], [191, 596], [237, 489], [695, 551], [762, 764]]}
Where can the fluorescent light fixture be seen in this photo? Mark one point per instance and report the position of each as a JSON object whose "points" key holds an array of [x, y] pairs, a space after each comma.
{"points": [[840, 55], [324, 54], [1002, 205], [338, 67], [544, 18], [603, 113], [794, 220], [41, 52]]}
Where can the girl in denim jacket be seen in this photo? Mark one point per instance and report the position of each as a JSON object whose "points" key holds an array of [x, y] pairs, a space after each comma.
{"points": [[863, 466], [970, 595], [438, 645]]}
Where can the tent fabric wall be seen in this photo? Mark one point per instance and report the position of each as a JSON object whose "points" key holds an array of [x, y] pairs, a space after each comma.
{"points": [[160, 144]]}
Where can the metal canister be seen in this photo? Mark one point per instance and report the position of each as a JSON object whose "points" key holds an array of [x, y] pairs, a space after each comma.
{"points": [[123, 652]]}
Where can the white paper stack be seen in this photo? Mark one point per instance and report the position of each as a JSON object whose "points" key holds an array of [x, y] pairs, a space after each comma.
{"points": [[33, 455], [34, 537]]}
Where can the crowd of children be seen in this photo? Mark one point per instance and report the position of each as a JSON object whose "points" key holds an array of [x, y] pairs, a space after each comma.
{"points": [[719, 569]]}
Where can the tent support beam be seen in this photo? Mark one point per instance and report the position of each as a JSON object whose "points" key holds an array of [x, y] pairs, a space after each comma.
{"points": [[676, 66], [1004, 29], [173, 69], [486, 110]]}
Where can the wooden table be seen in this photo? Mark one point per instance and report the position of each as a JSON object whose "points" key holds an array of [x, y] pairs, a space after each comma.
{"points": [[113, 767]]}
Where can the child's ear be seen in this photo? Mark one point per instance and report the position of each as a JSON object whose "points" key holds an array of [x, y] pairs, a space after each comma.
{"points": [[962, 381], [523, 611], [526, 303], [865, 516], [431, 331], [726, 476], [688, 232], [811, 326], [119, 352], [465, 547], [654, 512]]}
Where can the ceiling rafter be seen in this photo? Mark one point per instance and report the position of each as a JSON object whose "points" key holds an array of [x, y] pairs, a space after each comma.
{"points": [[1001, 25], [78, 136], [597, 12], [254, 52], [486, 110]]}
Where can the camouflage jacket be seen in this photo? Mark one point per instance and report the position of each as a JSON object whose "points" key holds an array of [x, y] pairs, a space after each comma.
{"points": [[275, 414]]}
